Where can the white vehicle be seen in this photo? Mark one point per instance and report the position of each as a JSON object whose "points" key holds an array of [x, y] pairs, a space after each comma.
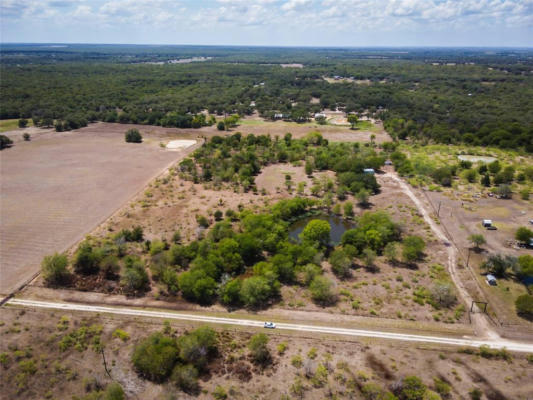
{"points": [[270, 325]]}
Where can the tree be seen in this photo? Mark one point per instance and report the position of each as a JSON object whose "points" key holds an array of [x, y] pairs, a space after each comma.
{"points": [[498, 264], [54, 269], [256, 291], [196, 347], [352, 119], [485, 181], [185, 377], [218, 215], [524, 306], [85, 260], [5, 142], [154, 357], [413, 248], [391, 252], [221, 126], [362, 197], [26, 136], [340, 263], [523, 235], [477, 240], [317, 231], [322, 291], [259, 349], [23, 123], [524, 267], [442, 293], [504, 191], [114, 391], [411, 388], [134, 278], [369, 256], [348, 209], [133, 136], [230, 293], [197, 286], [495, 167]]}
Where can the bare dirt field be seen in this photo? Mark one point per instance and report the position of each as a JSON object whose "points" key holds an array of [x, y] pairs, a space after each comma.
{"points": [[58, 186], [302, 366]]}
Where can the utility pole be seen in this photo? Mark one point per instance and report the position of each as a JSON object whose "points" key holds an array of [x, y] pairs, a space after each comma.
{"points": [[438, 211], [468, 258]]}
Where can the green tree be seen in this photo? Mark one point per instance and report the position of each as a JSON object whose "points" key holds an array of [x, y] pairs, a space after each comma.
{"points": [[495, 167], [348, 209], [230, 293], [362, 197], [23, 123], [114, 391], [369, 257], [54, 269], [85, 259], [322, 291], [340, 263], [523, 235], [5, 142], [524, 267], [316, 231], [26, 136], [256, 291], [391, 252], [221, 126], [352, 119], [413, 248], [485, 181], [134, 277], [185, 377], [442, 294], [155, 357], [477, 240], [524, 306], [133, 136], [258, 346], [411, 388], [196, 347], [498, 264], [198, 286]]}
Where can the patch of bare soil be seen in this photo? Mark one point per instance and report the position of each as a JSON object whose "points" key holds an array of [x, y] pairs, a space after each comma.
{"points": [[305, 367], [58, 186]]}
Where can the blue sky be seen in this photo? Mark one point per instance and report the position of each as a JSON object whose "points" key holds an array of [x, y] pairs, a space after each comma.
{"points": [[271, 22]]}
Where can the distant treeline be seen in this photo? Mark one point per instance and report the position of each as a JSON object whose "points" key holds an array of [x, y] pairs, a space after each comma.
{"points": [[478, 104]]}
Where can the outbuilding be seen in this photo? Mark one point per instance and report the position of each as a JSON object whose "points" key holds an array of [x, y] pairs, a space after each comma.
{"points": [[487, 223], [491, 280]]}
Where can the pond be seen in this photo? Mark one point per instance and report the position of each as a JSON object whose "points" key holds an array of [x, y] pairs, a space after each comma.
{"points": [[338, 226]]}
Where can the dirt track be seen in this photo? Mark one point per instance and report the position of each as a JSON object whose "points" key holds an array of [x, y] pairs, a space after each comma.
{"points": [[59, 186]]}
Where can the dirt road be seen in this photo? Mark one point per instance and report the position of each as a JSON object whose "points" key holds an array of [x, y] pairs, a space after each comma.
{"points": [[135, 312], [480, 321]]}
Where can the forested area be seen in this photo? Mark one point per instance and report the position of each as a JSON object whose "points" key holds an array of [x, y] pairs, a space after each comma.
{"points": [[431, 96]]}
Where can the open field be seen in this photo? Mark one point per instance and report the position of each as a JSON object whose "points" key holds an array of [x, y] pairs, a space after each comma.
{"points": [[59, 186], [304, 366], [11, 124]]}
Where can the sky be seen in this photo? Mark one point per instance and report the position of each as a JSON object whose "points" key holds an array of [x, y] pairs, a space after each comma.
{"points": [[351, 23]]}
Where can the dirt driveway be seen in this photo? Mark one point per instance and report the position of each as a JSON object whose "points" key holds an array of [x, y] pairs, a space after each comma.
{"points": [[57, 187]]}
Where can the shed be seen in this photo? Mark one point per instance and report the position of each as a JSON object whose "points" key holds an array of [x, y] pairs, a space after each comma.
{"points": [[491, 280], [369, 171], [486, 223], [320, 115]]}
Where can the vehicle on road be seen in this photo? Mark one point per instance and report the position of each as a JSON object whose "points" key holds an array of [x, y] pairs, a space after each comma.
{"points": [[270, 325]]}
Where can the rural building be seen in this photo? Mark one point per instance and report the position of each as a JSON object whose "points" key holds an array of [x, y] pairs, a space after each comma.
{"points": [[487, 223], [369, 171], [278, 116], [320, 115], [491, 280]]}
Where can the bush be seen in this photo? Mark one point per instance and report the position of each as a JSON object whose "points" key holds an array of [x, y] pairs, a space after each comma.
{"points": [[134, 278], [475, 394], [54, 269], [411, 388], [219, 393], [340, 263], [23, 123], [155, 356], [523, 234], [114, 391], [322, 291], [524, 306], [86, 260], [259, 349], [26, 136], [442, 387], [5, 142], [413, 248], [197, 346], [221, 126], [185, 377], [133, 136]]}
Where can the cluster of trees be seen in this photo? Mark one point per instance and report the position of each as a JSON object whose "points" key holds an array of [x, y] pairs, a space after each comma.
{"points": [[236, 159], [467, 103], [161, 356]]}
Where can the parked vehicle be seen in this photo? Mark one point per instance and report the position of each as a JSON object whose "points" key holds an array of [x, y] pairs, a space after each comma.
{"points": [[270, 325]]}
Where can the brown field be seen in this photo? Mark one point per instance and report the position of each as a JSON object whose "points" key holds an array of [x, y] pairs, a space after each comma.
{"points": [[59, 186], [34, 366]]}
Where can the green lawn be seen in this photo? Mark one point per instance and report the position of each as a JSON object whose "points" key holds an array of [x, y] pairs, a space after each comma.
{"points": [[11, 124]]}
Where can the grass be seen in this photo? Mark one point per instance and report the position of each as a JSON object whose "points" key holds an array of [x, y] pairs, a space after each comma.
{"points": [[11, 124]]}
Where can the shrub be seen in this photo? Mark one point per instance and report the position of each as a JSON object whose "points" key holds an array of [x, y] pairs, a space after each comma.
{"points": [[322, 291], [196, 347], [524, 306], [259, 349], [133, 136], [523, 234], [185, 377], [221, 126], [413, 248], [443, 294], [122, 335], [219, 393], [442, 387], [26, 136], [134, 278], [475, 394], [155, 356], [86, 260], [340, 263], [5, 142], [54, 269], [23, 123], [282, 347], [114, 391], [411, 388]]}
